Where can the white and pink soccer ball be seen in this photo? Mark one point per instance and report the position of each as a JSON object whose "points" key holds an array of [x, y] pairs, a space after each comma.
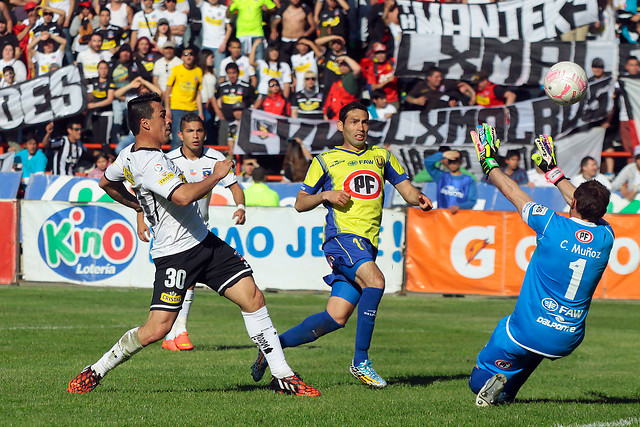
{"points": [[566, 83]]}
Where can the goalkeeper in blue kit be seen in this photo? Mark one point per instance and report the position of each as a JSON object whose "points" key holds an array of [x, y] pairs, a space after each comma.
{"points": [[549, 318]]}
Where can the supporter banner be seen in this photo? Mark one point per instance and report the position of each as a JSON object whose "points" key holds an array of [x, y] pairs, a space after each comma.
{"points": [[8, 244], [531, 20], [488, 253], [10, 184], [53, 96], [516, 124], [630, 112], [96, 244], [509, 62]]}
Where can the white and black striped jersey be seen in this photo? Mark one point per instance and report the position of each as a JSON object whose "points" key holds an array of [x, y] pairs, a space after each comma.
{"points": [[154, 178], [66, 155], [197, 170]]}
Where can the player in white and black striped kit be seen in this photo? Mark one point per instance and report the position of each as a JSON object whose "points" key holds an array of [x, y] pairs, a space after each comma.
{"points": [[184, 251], [196, 163]]}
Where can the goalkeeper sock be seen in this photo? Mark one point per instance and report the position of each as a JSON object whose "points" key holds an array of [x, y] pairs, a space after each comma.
{"points": [[127, 346], [264, 334], [311, 328], [554, 176], [180, 324], [367, 310]]}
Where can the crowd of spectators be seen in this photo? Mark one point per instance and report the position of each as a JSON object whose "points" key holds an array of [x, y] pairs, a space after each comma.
{"points": [[299, 58]]}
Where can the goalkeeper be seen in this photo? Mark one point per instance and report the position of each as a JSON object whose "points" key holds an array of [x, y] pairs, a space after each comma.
{"points": [[571, 254]]}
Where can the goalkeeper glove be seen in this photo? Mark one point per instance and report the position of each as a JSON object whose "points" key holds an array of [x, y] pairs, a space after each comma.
{"points": [[545, 158], [487, 145]]}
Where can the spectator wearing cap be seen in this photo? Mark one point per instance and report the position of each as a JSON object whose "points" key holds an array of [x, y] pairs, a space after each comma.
{"points": [[145, 22], [8, 59], [345, 90], [112, 35], [7, 36], [434, 92], [216, 30], [274, 102], [249, 16], [297, 22], [597, 67], [328, 59], [82, 27], [307, 103], [258, 193], [489, 94], [163, 66], [303, 61], [163, 35], [455, 190], [53, 52], [24, 30], [183, 92], [88, 59], [177, 20], [48, 24], [232, 92], [247, 72], [271, 68], [378, 71], [145, 55], [331, 18]]}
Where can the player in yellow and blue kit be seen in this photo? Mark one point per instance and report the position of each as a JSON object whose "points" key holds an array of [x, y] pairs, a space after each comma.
{"points": [[571, 254], [349, 182]]}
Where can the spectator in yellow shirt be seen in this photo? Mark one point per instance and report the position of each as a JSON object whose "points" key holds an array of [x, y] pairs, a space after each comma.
{"points": [[259, 194], [183, 92]]}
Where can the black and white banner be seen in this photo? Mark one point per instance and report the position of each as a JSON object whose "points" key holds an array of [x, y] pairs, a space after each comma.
{"points": [[531, 20], [509, 62], [53, 96], [264, 133]]}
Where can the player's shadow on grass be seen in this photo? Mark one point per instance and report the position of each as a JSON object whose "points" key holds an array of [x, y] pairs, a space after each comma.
{"points": [[425, 380], [591, 398]]}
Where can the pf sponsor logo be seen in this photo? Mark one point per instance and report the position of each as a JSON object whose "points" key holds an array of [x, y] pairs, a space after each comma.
{"points": [[87, 243], [503, 364], [584, 236], [363, 184]]}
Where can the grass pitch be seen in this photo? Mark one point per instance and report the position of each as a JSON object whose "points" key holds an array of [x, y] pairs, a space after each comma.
{"points": [[424, 346]]}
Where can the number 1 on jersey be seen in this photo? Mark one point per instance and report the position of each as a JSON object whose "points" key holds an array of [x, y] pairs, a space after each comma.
{"points": [[578, 270]]}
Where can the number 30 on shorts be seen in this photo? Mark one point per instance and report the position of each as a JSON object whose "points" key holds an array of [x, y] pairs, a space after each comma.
{"points": [[175, 278]]}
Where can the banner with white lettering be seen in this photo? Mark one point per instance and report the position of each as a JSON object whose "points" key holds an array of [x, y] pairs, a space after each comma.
{"points": [[53, 96], [264, 133], [531, 20], [508, 62]]}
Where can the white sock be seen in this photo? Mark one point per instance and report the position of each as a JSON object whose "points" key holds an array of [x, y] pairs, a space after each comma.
{"points": [[180, 324], [172, 333], [264, 334], [127, 346]]}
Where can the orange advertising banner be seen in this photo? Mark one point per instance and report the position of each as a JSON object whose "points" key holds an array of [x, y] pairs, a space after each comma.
{"points": [[8, 243], [487, 253]]}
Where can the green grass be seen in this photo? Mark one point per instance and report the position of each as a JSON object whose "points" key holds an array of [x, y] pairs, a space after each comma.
{"points": [[424, 346]]}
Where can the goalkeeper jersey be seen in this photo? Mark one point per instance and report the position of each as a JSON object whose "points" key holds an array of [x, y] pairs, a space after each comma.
{"points": [[362, 175], [570, 257]]}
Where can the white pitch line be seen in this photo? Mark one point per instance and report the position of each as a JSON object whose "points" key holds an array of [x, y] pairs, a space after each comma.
{"points": [[618, 423], [48, 328]]}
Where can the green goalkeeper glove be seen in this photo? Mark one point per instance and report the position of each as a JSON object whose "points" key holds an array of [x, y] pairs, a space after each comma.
{"points": [[487, 145], [545, 158]]}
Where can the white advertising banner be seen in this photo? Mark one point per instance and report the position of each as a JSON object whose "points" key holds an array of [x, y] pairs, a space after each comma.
{"points": [[96, 244]]}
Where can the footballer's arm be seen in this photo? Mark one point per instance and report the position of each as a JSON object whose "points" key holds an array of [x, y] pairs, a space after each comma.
{"points": [[118, 192], [306, 202], [413, 196], [510, 189], [189, 193], [566, 189]]}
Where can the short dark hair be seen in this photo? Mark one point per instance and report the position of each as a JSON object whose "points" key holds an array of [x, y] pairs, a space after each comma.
{"points": [[631, 58], [585, 160], [189, 117], [355, 105], [140, 108], [74, 121], [231, 66], [592, 199], [234, 40], [433, 70], [8, 68], [259, 174], [96, 34], [378, 94], [105, 9], [511, 153]]}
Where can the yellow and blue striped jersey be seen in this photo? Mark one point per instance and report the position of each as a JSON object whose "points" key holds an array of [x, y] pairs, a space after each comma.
{"points": [[362, 175]]}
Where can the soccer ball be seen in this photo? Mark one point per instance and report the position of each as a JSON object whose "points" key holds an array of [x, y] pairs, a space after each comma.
{"points": [[565, 83]]}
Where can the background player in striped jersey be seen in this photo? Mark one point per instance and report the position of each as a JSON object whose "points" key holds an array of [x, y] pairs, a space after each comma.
{"points": [[196, 163], [184, 251], [571, 254], [349, 182]]}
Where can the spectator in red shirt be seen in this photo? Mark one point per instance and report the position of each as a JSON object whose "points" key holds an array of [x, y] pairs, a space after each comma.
{"points": [[274, 102], [378, 71], [489, 94], [345, 90]]}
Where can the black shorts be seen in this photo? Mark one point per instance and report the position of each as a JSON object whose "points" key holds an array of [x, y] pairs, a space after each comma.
{"points": [[212, 262]]}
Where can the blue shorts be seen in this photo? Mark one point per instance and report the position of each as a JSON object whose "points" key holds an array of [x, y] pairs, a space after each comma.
{"points": [[345, 253], [502, 356]]}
